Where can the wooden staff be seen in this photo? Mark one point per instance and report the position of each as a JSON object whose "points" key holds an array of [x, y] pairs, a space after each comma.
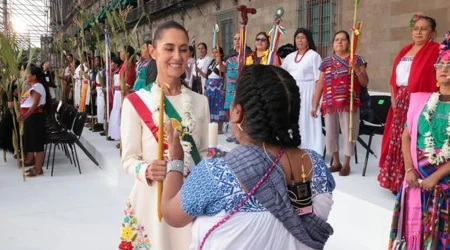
{"points": [[354, 39], [243, 30], [22, 156], [160, 146]]}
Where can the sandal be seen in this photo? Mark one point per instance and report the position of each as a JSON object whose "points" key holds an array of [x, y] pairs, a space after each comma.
{"points": [[34, 173], [30, 170], [335, 168], [345, 171]]}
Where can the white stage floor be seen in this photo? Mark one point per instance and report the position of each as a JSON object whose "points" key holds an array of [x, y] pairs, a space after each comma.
{"points": [[72, 211]]}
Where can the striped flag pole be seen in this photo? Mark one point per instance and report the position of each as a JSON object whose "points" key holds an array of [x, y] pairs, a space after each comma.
{"points": [[108, 74], [275, 33]]}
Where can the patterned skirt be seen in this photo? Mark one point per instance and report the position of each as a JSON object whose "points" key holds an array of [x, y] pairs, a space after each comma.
{"points": [[435, 208], [392, 172], [214, 89]]}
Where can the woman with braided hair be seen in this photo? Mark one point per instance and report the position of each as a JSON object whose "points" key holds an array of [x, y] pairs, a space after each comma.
{"points": [[267, 182]]}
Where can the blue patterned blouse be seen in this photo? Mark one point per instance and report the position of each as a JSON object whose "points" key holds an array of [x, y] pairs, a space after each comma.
{"points": [[212, 187]]}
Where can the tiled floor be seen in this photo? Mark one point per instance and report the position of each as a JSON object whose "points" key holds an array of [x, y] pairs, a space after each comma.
{"points": [[72, 211]]}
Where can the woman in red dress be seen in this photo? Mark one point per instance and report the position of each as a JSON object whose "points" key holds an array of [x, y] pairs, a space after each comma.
{"points": [[413, 71]]}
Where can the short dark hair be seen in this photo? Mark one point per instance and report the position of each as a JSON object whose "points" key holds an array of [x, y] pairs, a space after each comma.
{"points": [[309, 37], [270, 99], [165, 26], [285, 50], [204, 44], [116, 60], [129, 50], [148, 42]]}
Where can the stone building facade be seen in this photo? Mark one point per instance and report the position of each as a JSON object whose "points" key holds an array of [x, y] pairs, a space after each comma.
{"points": [[385, 23]]}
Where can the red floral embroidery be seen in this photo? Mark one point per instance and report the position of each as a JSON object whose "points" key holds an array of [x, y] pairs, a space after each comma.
{"points": [[133, 234], [125, 245]]}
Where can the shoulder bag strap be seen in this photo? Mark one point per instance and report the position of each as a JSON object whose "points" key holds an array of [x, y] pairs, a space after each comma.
{"points": [[236, 209]]}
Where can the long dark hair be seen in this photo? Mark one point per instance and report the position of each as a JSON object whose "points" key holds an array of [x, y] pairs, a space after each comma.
{"points": [[309, 37]]}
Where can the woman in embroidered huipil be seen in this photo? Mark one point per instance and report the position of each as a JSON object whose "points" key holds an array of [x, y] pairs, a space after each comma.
{"points": [[264, 117], [214, 89], [412, 72], [142, 69], [303, 65], [141, 228], [422, 206], [334, 88], [115, 99], [261, 52]]}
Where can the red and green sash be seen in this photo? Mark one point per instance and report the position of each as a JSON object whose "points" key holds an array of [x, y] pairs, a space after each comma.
{"points": [[146, 115]]}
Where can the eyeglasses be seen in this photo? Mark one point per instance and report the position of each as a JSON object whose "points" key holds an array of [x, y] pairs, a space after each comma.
{"points": [[442, 66], [261, 40]]}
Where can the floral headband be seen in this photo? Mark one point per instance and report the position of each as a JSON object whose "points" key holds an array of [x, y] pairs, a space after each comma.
{"points": [[413, 21], [444, 49]]}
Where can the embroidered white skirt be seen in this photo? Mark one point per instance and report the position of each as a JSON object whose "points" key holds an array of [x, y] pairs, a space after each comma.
{"points": [[100, 105], [114, 119]]}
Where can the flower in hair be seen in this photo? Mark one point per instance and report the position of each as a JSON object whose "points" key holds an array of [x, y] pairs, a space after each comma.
{"points": [[413, 21], [444, 49]]}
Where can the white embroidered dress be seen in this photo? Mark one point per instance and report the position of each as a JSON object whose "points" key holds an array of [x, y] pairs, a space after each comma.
{"points": [[306, 73], [139, 148], [114, 118]]}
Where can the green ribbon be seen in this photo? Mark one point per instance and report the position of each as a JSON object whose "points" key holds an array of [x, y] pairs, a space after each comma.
{"points": [[172, 113]]}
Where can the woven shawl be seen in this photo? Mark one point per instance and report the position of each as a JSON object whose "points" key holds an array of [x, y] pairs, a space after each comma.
{"points": [[250, 163]]}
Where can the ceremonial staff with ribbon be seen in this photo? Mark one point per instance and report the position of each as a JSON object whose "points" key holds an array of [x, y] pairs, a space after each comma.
{"points": [[275, 32], [243, 31], [356, 33]]}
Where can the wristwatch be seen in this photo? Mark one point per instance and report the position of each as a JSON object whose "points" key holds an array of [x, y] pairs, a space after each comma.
{"points": [[175, 165]]}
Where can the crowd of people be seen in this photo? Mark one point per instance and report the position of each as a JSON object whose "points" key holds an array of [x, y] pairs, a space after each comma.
{"points": [[276, 175]]}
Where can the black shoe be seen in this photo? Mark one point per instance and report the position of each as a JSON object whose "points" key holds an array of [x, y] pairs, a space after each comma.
{"points": [[109, 138], [231, 139], [103, 133]]}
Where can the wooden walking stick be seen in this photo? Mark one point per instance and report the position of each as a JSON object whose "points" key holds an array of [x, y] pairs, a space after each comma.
{"points": [[22, 156], [243, 31], [356, 32]]}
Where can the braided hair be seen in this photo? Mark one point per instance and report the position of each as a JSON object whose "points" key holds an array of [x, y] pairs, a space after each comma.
{"points": [[270, 99]]}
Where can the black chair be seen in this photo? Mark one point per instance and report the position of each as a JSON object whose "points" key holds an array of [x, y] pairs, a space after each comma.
{"points": [[374, 123], [65, 118], [69, 139]]}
